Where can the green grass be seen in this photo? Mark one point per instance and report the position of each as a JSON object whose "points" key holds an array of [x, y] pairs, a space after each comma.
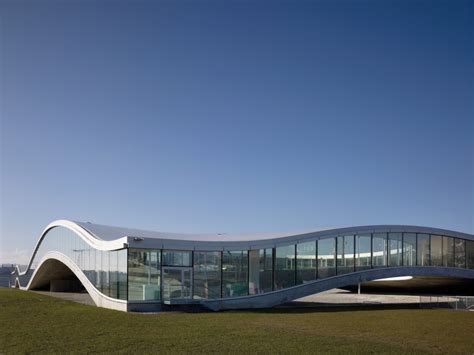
{"points": [[31, 322]]}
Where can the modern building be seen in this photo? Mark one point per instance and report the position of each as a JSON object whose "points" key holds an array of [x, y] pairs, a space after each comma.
{"points": [[135, 270]]}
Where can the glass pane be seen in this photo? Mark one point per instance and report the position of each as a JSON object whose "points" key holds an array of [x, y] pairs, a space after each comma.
{"points": [[363, 252], [234, 273], [423, 250], [459, 253], [345, 254], [436, 248], [177, 283], [177, 258], [207, 274], [284, 267], [306, 262], [470, 254], [379, 250], [409, 249], [448, 252], [254, 272], [122, 274], [326, 257], [143, 274], [395, 249], [266, 269]]}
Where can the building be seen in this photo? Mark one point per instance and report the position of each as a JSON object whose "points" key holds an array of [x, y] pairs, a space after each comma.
{"points": [[135, 270]]}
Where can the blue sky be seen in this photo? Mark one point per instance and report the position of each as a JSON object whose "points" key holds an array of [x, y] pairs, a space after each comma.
{"points": [[235, 116]]}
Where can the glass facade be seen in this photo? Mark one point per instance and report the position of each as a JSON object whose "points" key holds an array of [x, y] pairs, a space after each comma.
{"points": [[363, 252], [345, 254], [394, 249], [161, 275], [106, 270], [326, 257], [409, 249], [423, 250], [207, 274], [379, 249], [436, 248], [235, 273], [306, 263], [284, 267]]}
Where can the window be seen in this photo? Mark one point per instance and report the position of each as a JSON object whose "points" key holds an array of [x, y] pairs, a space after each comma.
{"points": [[363, 252], [284, 267], [266, 269], [326, 257], [459, 253], [436, 248], [448, 252], [207, 274], [409, 249], [423, 250], [143, 274], [379, 249], [394, 249], [235, 273], [306, 262], [177, 258], [345, 254], [470, 254]]}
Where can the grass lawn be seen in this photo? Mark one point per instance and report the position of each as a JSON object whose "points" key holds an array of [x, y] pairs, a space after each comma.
{"points": [[31, 322]]}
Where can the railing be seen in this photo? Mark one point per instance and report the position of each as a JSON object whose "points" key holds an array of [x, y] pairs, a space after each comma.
{"points": [[459, 303]]}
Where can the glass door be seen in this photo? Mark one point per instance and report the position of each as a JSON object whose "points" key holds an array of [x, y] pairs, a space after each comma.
{"points": [[177, 283]]}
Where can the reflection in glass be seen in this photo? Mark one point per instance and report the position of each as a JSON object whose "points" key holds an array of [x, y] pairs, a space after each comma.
{"points": [[436, 248], [177, 282], [266, 270], [470, 254], [306, 262], [459, 253], [448, 251], [254, 272], [207, 274], [284, 267], [177, 258], [409, 249], [345, 254], [143, 274], [423, 250], [234, 273], [379, 250], [326, 257], [394, 249], [363, 252]]}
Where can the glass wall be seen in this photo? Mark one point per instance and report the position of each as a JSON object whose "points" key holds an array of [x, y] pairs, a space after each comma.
{"points": [[448, 252], [395, 249], [363, 252], [207, 274], [266, 270], [409, 249], [254, 272], [306, 262], [144, 274], [284, 267], [470, 254], [235, 273], [177, 258], [459, 252], [436, 247], [108, 277], [326, 257], [345, 254], [379, 250], [423, 250]]}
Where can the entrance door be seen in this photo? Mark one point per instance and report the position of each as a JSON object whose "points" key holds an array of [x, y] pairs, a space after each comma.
{"points": [[177, 283]]}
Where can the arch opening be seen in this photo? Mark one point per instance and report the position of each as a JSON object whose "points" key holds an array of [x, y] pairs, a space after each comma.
{"points": [[55, 276]]}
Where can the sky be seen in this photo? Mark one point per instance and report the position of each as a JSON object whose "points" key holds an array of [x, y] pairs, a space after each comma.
{"points": [[235, 116]]}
